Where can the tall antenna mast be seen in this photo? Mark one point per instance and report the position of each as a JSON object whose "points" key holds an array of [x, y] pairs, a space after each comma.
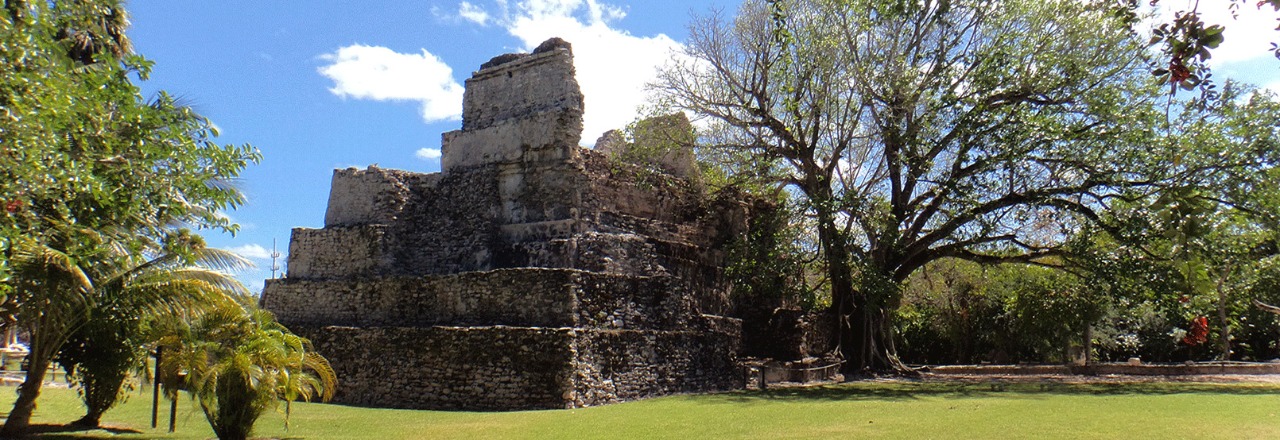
{"points": [[274, 255]]}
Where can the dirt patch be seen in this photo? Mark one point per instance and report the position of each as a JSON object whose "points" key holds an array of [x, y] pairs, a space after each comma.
{"points": [[1098, 379], [1105, 373]]}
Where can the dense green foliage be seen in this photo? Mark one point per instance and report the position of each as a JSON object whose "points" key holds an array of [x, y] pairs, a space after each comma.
{"points": [[86, 159], [238, 362], [100, 355], [92, 176], [994, 133]]}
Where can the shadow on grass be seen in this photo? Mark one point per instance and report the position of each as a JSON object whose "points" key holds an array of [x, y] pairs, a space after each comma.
{"points": [[916, 389], [73, 431]]}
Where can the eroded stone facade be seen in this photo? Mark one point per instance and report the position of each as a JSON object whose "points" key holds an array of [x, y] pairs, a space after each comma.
{"points": [[529, 273]]}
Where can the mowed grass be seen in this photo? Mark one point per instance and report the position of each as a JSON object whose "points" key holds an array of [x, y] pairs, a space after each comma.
{"points": [[916, 410]]}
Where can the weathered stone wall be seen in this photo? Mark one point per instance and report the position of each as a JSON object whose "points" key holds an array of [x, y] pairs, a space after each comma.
{"points": [[461, 221], [340, 251], [507, 368], [785, 333], [450, 227], [529, 273], [530, 297], [662, 142], [620, 365], [527, 108], [371, 196], [469, 298], [465, 368]]}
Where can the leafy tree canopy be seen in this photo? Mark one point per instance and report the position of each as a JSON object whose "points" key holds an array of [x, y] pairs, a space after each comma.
{"points": [[91, 173], [990, 131]]}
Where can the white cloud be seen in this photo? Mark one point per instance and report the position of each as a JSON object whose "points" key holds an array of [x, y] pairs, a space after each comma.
{"points": [[381, 74], [612, 64], [473, 13], [251, 251], [1247, 36], [428, 154], [1274, 87]]}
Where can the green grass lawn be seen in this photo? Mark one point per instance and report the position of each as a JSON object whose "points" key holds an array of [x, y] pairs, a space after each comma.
{"points": [[917, 410]]}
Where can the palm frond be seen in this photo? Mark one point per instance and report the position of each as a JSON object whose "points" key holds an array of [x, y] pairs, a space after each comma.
{"points": [[224, 260]]}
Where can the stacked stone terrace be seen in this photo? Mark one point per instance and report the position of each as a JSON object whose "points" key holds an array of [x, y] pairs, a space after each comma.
{"points": [[529, 273]]}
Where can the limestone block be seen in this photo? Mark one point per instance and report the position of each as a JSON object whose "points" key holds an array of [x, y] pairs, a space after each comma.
{"points": [[611, 143], [540, 231], [532, 193], [509, 368], [526, 85], [335, 252], [669, 140], [519, 297], [621, 365], [454, 368], [369, 196], [543, 136]]}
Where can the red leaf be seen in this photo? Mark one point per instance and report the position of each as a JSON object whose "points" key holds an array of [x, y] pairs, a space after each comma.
{"points": [[1178, 72]]}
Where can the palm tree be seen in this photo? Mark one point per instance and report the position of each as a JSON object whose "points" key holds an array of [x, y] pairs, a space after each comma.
{"points": [[55, 296], [52, 294], [100, 354], [237, 362]]}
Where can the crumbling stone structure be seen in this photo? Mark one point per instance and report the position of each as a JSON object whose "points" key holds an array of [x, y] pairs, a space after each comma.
{"points": [[528, 273]]}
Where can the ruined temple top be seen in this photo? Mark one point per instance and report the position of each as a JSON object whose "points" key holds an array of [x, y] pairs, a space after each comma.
{"points": [[519, 107], [551, 44]]}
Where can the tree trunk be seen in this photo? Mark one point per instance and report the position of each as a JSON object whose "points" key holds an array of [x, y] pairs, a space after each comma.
{"points": [[864, 328], [155, 389], [48, 332], [101, 391], [1088, 344], [20, 417], [91, 419], [847, 312], [1224, 335], [861, 327]]}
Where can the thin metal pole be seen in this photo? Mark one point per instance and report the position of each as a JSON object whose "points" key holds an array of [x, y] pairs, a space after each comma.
{"points": [[155, 391]]}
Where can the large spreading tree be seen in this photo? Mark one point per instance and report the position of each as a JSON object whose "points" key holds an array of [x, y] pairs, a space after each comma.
{"points": [[989, 131]]}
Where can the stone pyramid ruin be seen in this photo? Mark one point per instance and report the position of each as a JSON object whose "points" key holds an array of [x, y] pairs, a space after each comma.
{"points": [[528, 273]]}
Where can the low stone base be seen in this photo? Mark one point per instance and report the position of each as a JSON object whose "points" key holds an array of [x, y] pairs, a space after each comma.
{"points": [[517, 368]]}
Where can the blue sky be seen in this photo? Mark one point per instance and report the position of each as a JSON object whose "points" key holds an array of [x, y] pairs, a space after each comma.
{"points": [[328, 84]]}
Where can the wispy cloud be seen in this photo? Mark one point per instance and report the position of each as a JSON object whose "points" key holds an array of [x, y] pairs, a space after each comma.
{"points": [[381, 74], [1273, 86], [428, 154], [473, 13], [251, 251]]}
